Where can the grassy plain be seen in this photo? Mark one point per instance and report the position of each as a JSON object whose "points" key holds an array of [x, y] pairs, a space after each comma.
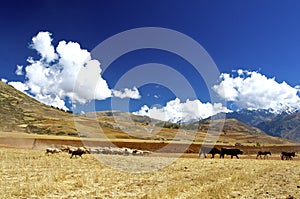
{"points": [[32, 174]]}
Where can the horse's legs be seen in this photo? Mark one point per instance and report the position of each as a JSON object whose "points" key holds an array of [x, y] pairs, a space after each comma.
{"points": [[200, 154]]}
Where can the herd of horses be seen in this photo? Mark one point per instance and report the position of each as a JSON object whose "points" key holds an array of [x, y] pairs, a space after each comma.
{"points": [[235, 152]]}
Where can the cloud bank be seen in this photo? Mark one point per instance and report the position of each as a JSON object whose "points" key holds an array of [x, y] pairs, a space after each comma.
{"points": [[252, 90], [177, 111], [246, 89], [65, 71]]}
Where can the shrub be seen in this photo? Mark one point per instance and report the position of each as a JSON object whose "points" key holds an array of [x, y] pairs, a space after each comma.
{"points": [[60, 133], [73, 134]]}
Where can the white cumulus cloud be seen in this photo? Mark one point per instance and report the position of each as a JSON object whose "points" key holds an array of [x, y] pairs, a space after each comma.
{"points": [[253, 90], [127, 93], [42, 42], [19, 86], [176, 111], [4, 80], [67, 71]]}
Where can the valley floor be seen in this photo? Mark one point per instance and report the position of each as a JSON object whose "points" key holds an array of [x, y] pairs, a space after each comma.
{"points": [[41, 142], [32, 174]]}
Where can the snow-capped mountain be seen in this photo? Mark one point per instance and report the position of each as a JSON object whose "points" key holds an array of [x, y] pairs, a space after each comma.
{"points": [[285, 124]]}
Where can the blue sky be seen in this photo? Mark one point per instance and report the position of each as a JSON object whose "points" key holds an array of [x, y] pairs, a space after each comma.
{"points": [[261, 36]]}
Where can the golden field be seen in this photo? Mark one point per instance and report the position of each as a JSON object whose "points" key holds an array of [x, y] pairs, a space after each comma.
{"points": [[32, 174]]}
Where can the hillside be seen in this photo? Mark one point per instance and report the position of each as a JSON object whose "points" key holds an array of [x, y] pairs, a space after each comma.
{"points": [[287, 126], [284, 125], [21, 113], [252, 117], [237, 131]]}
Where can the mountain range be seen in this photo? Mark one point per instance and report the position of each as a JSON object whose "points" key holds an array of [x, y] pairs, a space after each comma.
{"points": [[21, 113], [284, 124]]}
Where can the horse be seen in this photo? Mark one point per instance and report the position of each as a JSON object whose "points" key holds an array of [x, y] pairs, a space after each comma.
{"points": [[264, 153], [287, 155]]}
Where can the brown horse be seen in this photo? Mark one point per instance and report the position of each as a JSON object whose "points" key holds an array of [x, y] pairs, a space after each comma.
{"points": [[264, 153]]}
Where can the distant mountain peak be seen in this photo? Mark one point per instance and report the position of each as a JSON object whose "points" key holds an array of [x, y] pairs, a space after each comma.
{"points": [[284, 123]]}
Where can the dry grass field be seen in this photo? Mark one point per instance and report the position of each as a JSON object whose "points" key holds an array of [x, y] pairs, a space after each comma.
{"points": [[32, 174]]}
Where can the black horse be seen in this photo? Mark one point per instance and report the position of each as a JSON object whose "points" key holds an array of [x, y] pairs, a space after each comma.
{"points": [[287, 155], [209, 150], [232, 152]]}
